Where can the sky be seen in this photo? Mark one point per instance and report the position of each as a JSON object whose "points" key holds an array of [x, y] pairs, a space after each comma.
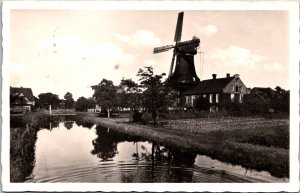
{"points": [[63, 51]]}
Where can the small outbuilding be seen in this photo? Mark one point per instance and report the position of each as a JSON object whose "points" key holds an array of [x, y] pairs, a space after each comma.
{"points": [[21, 99]]}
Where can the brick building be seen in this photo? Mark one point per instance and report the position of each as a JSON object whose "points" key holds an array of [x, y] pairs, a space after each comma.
{"points": [[216, 91]]}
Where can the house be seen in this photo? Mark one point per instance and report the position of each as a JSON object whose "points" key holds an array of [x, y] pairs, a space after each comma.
{"points": [[217, 91], [21, 99]]}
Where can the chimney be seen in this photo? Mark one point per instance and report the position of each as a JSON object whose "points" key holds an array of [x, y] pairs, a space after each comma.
{"points": [[227, 75], [214, 76]]}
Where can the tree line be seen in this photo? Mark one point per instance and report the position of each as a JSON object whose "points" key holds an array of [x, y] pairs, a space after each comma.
{"points": [[45, 99], [153, 94]]}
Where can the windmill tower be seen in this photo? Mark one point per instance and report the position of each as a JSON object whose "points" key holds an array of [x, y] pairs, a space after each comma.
{"points": [[184, 75]]}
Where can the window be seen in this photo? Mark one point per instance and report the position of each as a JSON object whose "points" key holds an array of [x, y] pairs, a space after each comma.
{"points": [[187, 100], [232, 97], [193, 99], [242, 89], [241, 98], [204, 96], [217, 98], [232, 87], [236, 89], [210, 98]]}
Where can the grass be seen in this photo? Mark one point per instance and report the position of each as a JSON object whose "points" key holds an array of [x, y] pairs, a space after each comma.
{"points": [[57, 111], [255, 143], [22, 160]]}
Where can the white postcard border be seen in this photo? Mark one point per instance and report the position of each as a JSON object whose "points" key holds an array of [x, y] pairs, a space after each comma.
{"points": [[291, 6]]}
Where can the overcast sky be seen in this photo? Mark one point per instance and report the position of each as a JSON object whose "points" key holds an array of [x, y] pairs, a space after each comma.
{"points": [[63, 51]]}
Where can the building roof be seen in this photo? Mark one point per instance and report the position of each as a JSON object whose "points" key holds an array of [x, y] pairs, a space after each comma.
{"points": [[27, 92], [209, 86]]}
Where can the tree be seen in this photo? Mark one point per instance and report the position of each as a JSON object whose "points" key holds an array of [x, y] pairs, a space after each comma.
{"points": [[105, 95], [47, 99], [129, 98], [69, 101], [83, 104], [281, 100], [154, 94], [256, 104]]}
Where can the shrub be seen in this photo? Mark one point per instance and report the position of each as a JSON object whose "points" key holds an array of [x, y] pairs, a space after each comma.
{"points": [[202, 104]]}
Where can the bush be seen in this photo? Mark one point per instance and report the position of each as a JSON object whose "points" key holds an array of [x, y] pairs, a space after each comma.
{"points": [[234, 109], [136, 116], [201, 104]]}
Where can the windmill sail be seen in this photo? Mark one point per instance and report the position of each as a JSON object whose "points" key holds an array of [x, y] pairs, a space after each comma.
{"points": [[172, 64], [162, 49], [178, 31]]}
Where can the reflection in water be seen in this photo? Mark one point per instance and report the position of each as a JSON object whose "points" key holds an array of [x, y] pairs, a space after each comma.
{"points": [[105, 145], [68, 124], [75, 152], [22, 158], [85, 124]]}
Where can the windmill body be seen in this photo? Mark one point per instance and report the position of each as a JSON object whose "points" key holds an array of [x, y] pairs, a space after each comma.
{"points": [[184, 75]]}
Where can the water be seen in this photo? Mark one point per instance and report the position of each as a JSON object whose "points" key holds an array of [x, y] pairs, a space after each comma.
{"points": [[67, 152]]}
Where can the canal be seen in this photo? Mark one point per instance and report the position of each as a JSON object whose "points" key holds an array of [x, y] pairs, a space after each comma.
{"points": [[70, 151]]}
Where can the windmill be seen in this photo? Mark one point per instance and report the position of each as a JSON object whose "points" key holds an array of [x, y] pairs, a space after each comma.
{"points": [[184, 73]]}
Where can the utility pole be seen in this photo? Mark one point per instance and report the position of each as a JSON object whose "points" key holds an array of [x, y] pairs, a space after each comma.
{"points": [[201, 64]]}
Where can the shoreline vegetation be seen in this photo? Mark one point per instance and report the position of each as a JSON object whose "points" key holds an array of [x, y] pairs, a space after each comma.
{"points": [[253, 142]]}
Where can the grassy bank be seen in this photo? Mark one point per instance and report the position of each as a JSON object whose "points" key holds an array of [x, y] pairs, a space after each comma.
{"points": [[255, 143]]}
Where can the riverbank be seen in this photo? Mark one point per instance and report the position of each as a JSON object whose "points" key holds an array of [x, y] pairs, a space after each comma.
{"points": [[255, 143], [252, 142]]}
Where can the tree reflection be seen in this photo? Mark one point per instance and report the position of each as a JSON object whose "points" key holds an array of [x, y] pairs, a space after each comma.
{"points": [[22, 152], [176, 159], [155, 163], [53, 125], [23, 137], [105, 145], [68, 124], [83, 123], [168, 154]]}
